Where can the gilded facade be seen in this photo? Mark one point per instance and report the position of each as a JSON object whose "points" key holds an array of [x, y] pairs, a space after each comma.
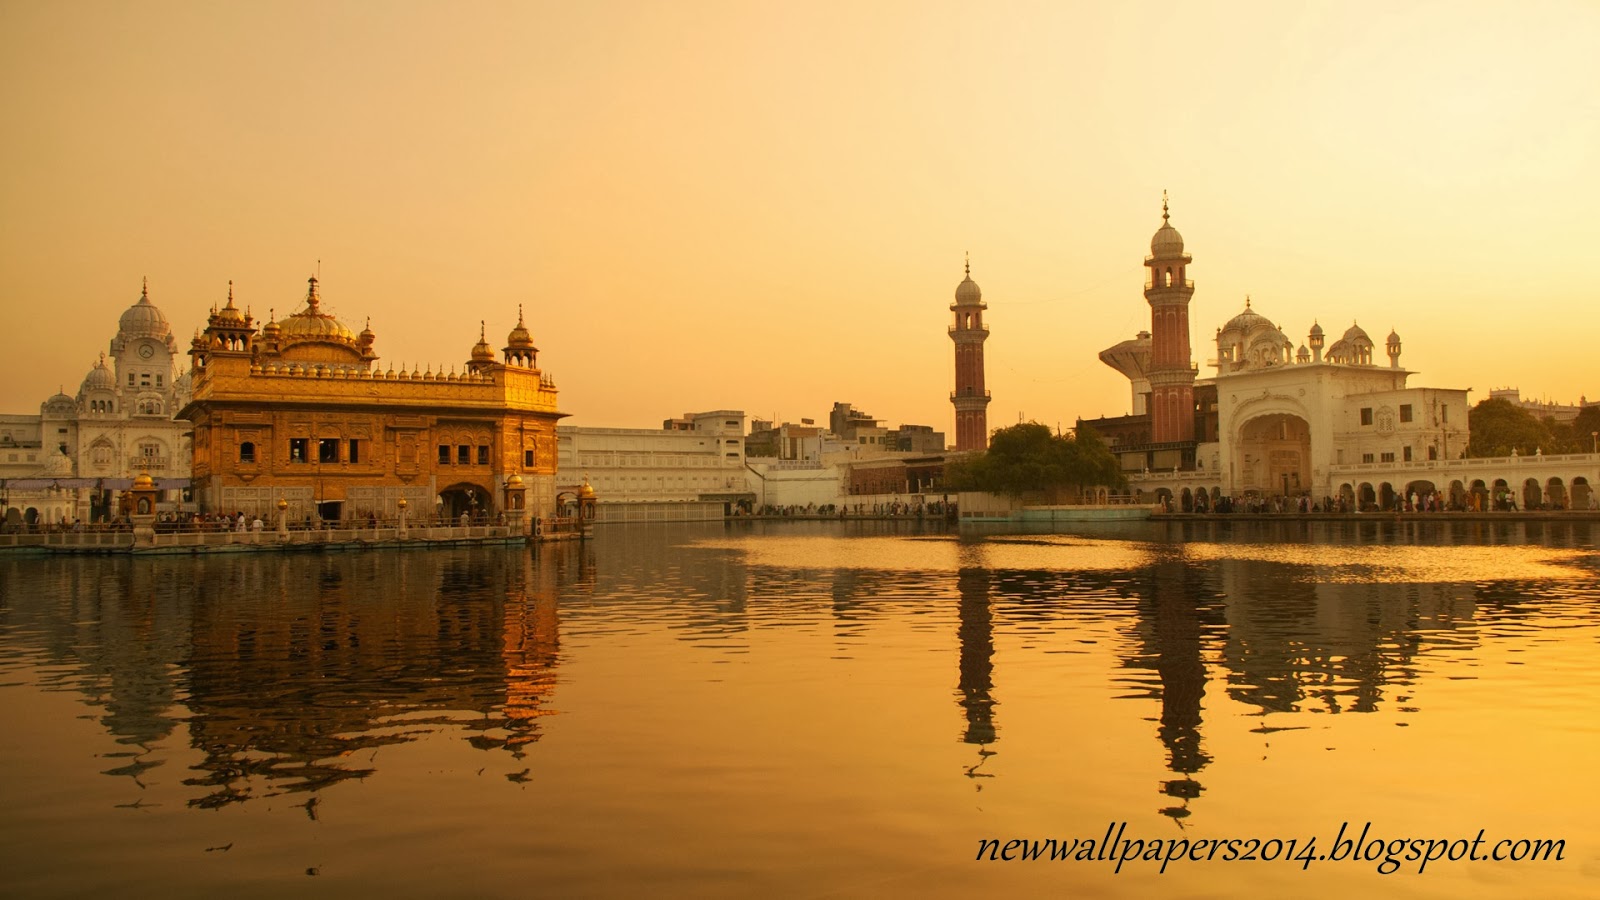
{"points": [[299, 410]]}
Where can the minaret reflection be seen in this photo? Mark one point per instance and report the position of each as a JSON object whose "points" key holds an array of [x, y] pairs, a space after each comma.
{"points": [[1172, 625], [976, 635]]}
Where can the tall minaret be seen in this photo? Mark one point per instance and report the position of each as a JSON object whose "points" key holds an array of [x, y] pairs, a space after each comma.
{"points": [[970, 398], [1171, 372]]}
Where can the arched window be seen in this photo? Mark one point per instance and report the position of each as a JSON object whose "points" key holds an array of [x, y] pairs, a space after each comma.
{"points": [[247, 452]]}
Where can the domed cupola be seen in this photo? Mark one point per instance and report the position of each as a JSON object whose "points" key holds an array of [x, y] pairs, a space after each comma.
{"points": [[312, 335], [142, 319], [967, 292], [482, 351], [1353, 349], [99, 378], [1249, 340], [271, 331], [1167, 243], [1246, 321], [519, 348], [60, 406], [229, 314]]}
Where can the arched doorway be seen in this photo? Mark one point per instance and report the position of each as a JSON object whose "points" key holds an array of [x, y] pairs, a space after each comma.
{"points": [[1458, 496], [1273, 455], [1419, 489], [1532, 496], [1164, 497], [1386, 496], [1501, 496], [1366, 499], [1188, 500], [1556, 493], [473, 500], [1347, 497], [1583, 496]]}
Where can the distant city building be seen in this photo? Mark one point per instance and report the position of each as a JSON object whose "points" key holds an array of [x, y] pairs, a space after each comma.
{"points": [[697, 457], [1563, 413], [918, 439], [788, 441], [970, 398], [298, 411], [74, 459]]}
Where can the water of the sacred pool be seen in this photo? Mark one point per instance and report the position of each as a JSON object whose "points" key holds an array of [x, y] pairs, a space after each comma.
{"points": [[809, 709]]}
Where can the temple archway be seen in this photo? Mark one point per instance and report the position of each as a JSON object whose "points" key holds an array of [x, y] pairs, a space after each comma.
{"points": [[465, 497], [1272, 455]]}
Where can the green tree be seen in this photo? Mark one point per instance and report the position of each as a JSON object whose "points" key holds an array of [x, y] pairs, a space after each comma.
{"points": [[1499, 426], [1029, 457], [1577, 436]]}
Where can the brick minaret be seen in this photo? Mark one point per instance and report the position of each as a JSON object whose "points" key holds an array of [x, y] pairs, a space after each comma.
{"points": [[970, 398], [1171, 371]]}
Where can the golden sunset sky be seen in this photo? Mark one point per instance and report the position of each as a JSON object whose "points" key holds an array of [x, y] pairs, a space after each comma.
{"points": [[765, 206]]}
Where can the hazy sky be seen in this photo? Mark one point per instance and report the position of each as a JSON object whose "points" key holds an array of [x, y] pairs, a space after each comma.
{"points": [[765, 206]]}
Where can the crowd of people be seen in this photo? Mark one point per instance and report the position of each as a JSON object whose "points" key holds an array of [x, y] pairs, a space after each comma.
{"points": [[879, 510], [1502, 500]]}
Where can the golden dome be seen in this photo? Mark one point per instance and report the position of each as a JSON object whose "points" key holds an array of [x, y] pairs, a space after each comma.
{"points": [[143, 482], [229, 313], [481, 350], [313, 325], [515, 481], [519, 338], [586, 492]]}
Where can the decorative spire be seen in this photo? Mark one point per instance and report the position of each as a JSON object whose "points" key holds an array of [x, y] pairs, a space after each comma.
{"points": [[144, 292], [230, 291], [312, 300], [969, 263], [519, 316], [1163, 207], [481, 332], [1246, 301]]}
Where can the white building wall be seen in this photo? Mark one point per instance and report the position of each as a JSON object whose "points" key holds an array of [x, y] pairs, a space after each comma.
{"points": [[626, 465]]}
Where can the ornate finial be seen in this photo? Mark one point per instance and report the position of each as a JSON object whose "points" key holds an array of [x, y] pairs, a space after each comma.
{"points": [[519, 315], [1246, 301], [144, 292], [311, 294], [969, 263], [369, 323], [1163, 207], [481, 327]]}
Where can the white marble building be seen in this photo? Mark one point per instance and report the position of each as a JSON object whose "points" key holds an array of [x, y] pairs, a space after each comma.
{"points": [[699, 458], [72, 460]]}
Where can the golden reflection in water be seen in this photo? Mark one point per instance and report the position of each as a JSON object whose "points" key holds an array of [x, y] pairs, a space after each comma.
{"points": [[936, 554], [1402, 564]]}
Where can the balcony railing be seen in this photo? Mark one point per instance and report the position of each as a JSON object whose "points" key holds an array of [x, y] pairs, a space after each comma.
{"points": [[140, 463]]}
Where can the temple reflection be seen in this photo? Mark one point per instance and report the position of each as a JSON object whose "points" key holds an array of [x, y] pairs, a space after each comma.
{"points": [[299, 687]]}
